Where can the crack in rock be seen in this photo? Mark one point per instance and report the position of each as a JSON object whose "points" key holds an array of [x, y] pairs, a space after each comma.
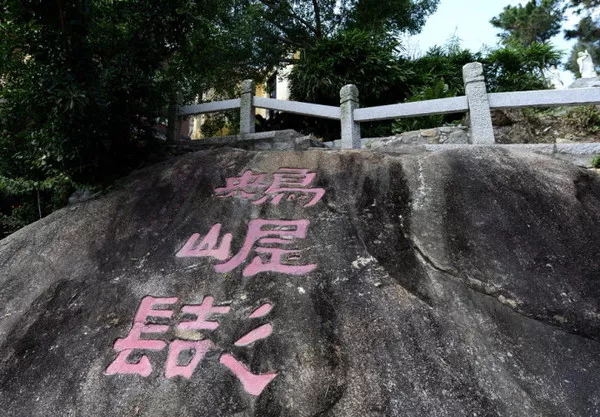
{"points": [[492, 291]]}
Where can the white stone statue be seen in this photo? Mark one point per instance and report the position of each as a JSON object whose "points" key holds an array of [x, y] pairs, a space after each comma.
{"points": [[553, 79], [586, 65]]}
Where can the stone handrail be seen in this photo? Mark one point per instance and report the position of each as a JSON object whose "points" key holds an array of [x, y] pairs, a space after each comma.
{"points": [[212, 107], [476, 101], [297, 107], [416, 108], [545, 98]]}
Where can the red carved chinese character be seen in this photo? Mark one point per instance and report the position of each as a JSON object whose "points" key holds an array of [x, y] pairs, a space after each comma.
{"points": [[199, 349], [271, 232], [287, 182], [202, 312], [261, 311], [134, 339], [208, 245], [260, 232], [184, 356], [259, 333], [247, 186], [253, 384]]}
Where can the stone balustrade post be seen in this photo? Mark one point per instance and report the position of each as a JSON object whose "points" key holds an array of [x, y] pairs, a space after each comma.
{"points": [[350, 128], [482, 132], [247, 107]]}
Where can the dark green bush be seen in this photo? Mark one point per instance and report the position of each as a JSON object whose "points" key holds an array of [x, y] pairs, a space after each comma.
{"points": [[357, 57], [439, 90], [516, 67]]}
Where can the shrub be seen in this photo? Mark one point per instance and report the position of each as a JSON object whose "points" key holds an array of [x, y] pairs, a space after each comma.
{"points": [[516, 67], [584, 118], [355, 57], [438, 90]]}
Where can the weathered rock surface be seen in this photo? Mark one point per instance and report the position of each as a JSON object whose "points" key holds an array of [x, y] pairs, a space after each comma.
{"points": [[444, 134], [459, 283], [278, 140], [512, 126]]}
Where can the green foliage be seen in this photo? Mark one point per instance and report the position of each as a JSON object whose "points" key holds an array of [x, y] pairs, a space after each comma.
{"points": [[351, 57], [222, 123], [84, 81], [353, 41], [437, 74], [516, 67], [438, 90], [537, 21], [20, 216], [440, 62], [587, 30], [299, 24], [23, 200], [71, 92], [383, 77], [388, 16], [584, 118], [596, 162], [585, 4]]}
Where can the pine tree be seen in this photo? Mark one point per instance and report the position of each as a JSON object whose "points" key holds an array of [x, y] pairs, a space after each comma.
{"points": [[537, 21]]}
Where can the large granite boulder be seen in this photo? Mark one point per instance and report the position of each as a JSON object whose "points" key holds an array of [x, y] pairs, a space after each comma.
{"points": [[316, 283]]}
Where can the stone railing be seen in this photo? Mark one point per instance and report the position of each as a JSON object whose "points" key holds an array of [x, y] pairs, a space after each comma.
{"points": [[477, 101]]}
